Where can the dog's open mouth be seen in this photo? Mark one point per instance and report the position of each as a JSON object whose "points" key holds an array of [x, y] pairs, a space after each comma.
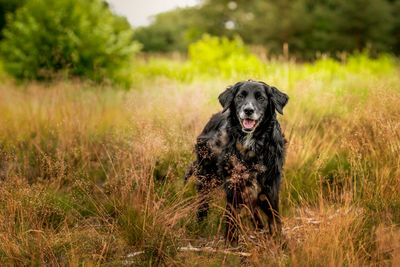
{"points": [[249, 125]]}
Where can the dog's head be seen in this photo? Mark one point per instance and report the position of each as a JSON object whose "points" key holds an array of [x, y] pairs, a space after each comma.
{"points": [[252, 102]]}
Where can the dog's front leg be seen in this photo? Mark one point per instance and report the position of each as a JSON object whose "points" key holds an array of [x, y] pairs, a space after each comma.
{"points": [[257, 219], [233, 202], [203, 188], [269, 203]]}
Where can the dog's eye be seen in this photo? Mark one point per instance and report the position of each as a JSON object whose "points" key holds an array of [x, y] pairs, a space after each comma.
{"points": [[260, 98], [240, 97]]}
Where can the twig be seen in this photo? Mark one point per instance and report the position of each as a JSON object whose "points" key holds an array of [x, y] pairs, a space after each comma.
{"points": [[130, 255], [202, 249], [213, 250]]}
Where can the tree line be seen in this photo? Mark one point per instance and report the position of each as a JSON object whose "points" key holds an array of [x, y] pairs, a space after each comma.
{"points": [[308, 27]]}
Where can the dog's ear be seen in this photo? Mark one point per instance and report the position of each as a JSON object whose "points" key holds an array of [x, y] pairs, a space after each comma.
{"points": [[226, 97], [279, 99]]}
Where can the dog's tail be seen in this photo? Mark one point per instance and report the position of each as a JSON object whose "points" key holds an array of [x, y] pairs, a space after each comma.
{"points": [[190, 171]]}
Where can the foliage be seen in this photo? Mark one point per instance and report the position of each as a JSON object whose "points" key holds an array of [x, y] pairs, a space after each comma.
{"points": [[343, 26], [307, 26], [310, 26], [82, 38], [222, 57], [212, 56], [396, 26], [170, 31], [7, 7]]}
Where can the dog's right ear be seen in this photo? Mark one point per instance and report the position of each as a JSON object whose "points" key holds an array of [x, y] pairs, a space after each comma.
{"points": [[226, 97]]}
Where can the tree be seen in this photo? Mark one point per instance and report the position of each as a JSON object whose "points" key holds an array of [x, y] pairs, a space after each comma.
{"points": [[396, 27], [8, 7], [170, 31], [343, 25], [81, 37]]}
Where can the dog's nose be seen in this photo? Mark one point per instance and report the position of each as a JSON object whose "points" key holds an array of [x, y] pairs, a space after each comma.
{"points": [[248, 111]]}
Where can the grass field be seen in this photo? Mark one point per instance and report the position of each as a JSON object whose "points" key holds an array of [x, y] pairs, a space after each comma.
{"points": [[91, 175]]}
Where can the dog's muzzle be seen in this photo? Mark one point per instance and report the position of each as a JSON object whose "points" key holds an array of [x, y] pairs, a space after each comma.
{"points": [[249, 120]]}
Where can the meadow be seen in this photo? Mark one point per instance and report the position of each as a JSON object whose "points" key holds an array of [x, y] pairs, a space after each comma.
{"points": [[92, 175]]}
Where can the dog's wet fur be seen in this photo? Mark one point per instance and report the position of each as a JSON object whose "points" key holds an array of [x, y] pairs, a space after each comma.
{"points": [[243, 148]]}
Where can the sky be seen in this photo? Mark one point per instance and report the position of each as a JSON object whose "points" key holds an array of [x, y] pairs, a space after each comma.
{"points": [[138, 12]]}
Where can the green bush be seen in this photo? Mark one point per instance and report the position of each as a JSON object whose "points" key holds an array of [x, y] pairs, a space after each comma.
{"points": [[7, 7], [222, 56], [80, 37]]}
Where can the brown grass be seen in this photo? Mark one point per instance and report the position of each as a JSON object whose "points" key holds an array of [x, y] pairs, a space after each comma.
{"points": [[91, 175]]}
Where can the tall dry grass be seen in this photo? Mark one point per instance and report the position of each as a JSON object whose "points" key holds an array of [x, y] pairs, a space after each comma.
{"points": [[90, 175]]}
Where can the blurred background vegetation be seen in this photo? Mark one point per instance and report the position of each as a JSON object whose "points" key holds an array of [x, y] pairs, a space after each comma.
{"points": [[83, 38], [307, 26]]}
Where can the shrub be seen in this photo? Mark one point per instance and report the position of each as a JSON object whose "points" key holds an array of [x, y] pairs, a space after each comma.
{"points": [[6, 7], [79, 37], [223, 56]]}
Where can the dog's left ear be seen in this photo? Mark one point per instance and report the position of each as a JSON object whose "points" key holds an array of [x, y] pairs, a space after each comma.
{"points": [[226, 97], [278, 98]]}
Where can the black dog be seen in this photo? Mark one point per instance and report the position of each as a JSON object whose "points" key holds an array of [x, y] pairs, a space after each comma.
{"points": [[243, 149]]}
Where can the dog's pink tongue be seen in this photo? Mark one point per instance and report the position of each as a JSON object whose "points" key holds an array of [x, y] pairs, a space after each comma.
{"points": [[248, 124]]}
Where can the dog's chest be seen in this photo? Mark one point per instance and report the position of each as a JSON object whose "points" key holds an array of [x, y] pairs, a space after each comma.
{"points": [[246, 144], [249, 142]]}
